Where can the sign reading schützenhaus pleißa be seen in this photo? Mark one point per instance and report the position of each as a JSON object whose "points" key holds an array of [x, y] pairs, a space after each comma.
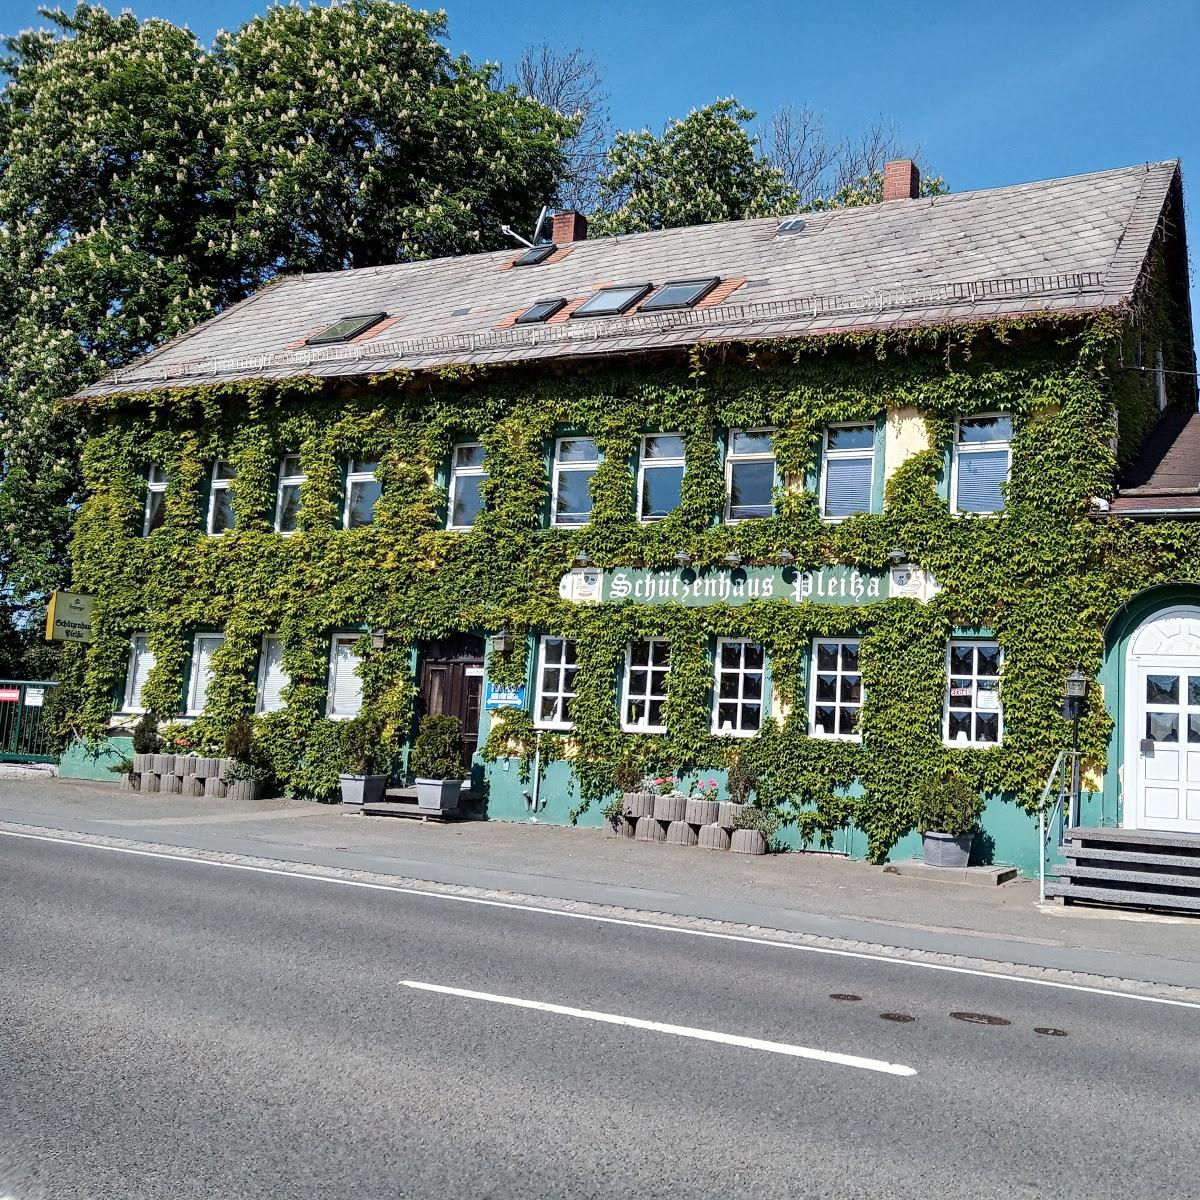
{"points": [[833, 584]]}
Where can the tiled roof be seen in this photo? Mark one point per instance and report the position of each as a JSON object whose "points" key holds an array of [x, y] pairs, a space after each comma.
{"points": [[1060, 246], [1165, 479]]}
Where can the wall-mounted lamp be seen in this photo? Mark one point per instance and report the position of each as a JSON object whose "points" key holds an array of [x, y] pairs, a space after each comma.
{"points": [[582, 559], [896, 556], [379, 638], [733, 560], [683, 558], [500, 642], [785, 558], [1076, 687]]}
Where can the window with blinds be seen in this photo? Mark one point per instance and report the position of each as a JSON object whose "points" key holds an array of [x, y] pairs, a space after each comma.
{"points": [[982, 454], [847, 470], [345, 686], [272, 678], [141, 663], [203, 649]]}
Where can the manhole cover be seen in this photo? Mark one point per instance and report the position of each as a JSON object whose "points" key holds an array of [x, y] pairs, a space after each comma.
{"points": [[843, 996], [1050, 1031], [979, 1018], [899, 1018]]}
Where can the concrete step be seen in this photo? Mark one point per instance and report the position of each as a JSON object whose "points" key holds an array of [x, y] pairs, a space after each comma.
{"points": [[1180, 842], [1128, 899], [1150, 856], [1156, 879]]}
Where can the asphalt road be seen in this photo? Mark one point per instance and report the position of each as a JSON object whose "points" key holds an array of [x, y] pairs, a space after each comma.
{"points": [[170, 1029]]}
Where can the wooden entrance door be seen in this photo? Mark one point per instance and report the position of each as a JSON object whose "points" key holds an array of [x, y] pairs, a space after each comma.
{"points": [[452, 684]]}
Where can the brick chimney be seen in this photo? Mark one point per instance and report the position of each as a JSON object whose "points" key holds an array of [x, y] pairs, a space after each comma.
{"points": [[569, 226], [901, 180]]}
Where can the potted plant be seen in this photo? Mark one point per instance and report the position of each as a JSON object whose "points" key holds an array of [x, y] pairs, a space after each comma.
{"points": [[947, 812], [636, 799], [437, 763], [244, 778], [360, 780], [669, 803], [145, 745], [702, 805], [740, 783], [753, 829]]}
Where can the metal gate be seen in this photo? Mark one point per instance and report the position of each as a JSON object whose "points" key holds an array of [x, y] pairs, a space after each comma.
{"points": [[25, 734]]}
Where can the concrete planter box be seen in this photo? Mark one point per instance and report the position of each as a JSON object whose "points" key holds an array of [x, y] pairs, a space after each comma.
{"points": [[243, 789], [214, 787], [650, 830], [670, 808], [728, 812], [639, 804], [438, 795], [362, 789], [205, 767], [947, 849], [702, 812], [185, 764], [129, 782], [143, 763], [170, 783], [713, 837], [748, 841], [680, 833], [162, 764], [193, 785], [149, 782], [619, 827]]}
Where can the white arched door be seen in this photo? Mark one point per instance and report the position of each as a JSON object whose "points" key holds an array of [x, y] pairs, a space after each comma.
{"points": [[1162, 723]]}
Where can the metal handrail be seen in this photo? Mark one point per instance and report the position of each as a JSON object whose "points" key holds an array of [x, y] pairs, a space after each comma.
{"points": [[1059, 772]]}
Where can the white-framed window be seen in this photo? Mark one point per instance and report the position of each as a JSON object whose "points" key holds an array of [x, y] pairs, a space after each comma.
{"points": [[575, 462], [155, 511], [973, 715], [980, 463], [660, 475], [204, 646], [220, 502], [141, 663], [557, 667], [847, 470], [836, 693], [345, 685], [647, 671], [287, 500], [740, 687], [467, 472], [362, 491], [749, 475], [272, 678]]}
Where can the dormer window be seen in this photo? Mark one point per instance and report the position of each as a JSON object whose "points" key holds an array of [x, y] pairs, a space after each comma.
{"points": [[345, 330]]}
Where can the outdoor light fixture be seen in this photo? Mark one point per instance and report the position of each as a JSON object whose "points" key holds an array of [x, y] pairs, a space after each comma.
{"points": [[582, 559], [378, 639], [500, 641], [786, 558], [1077, 685], [897, 556], [733, 560], [683, 558]]}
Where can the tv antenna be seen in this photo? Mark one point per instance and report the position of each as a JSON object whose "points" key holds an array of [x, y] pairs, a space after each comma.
{"points": [[538, 239]]}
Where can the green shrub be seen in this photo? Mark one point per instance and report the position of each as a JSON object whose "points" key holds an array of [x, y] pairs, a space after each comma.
{"points": [[627, 776], [437, 752], [767, 823], [614, 808], [123, 766], [315, 773], [361, 749], [947, 803], [145, 735], [740, 781], [239, 741]]}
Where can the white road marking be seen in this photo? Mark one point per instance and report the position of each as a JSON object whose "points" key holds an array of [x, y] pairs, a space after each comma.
{"points": [[744, 938], [700, 1035]]}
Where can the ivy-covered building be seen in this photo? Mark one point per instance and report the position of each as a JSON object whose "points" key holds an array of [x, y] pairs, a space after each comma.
{"points": [[830, 496]]}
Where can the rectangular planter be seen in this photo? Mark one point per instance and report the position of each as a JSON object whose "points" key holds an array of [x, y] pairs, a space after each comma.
{"points": [[438, 795], [149, 782], [362, 789], [214, 787], [947, 849], [142, 762], [639, 804], [185, 764], [748, 841], [728, 811], [243, 789], [170, 783], [163, 764], [670, 808], [702, 812], [193, 785], [206, 767]]}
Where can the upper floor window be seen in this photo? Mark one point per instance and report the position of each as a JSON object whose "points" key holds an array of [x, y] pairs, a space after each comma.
{"points": [[741, 674], [154, 512], [345, 685], [467, 472], [575, 462], [287, 502], [362, 491], [141, 663], [973, 715], [220, 501], [272, 678], [557, 667], [203, 649], [749, 475], [647, 668], [981, 459], [836, 694], [660, 475], [847, 470]]}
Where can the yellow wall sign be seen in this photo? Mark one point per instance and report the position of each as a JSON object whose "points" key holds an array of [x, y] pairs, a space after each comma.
{"points": [[69, 618]]}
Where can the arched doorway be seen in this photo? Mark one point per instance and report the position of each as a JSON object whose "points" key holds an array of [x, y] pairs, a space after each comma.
{"points": [[1162, 722]]}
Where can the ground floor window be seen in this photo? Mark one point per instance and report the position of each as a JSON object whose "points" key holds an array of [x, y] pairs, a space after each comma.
{"points": [[647, 667], [141, 663], [203, 649], [836, 694], [973, 715], [272, 678], [740, 680], [557, 666], [345, 685]]}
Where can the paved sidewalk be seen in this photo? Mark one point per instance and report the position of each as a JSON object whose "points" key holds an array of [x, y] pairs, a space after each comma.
{"points": [[816, 894]]}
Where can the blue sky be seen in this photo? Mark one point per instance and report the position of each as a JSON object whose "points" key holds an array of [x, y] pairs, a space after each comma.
{"points": [[992, 93]]}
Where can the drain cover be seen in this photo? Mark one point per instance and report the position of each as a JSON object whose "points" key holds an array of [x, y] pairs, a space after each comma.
{"points": [[1050, 1031], [979, 1018], [843, 996], [899, 1018]]}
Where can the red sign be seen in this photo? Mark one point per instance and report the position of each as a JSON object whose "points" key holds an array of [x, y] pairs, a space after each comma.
{"points": [[9, 695]]}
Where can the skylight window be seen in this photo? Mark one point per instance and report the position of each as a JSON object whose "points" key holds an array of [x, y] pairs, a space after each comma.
{"points": [[680, 293], [345, 329], [543, 310], [612, 301], [535, 255], [790, 225]]}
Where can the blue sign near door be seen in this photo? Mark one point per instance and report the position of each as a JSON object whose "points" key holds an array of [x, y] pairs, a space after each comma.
{"points": [[499, 696]]}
